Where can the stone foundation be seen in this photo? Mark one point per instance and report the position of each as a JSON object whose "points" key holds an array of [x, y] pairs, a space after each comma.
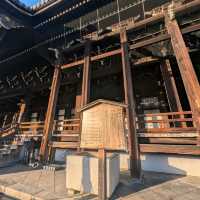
{"points": [[166, 163]]}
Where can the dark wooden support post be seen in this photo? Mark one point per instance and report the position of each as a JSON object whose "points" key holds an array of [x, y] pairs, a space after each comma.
{"points": [[170, 87], [186, 68], [86, 75], [50, 114], [135, 165], [102, 179]]}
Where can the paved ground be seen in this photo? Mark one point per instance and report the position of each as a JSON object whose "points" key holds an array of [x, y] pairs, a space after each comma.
{"points": [[158, 186], [4, 197], [25, 183]]}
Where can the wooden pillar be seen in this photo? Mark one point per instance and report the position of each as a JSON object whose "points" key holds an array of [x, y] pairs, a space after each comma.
{"points": [[78, 101], [186, 68], [170, 87], [102, 176], [4, 121], [86, 75], [50, 114], [22, 107], [135, 165]]}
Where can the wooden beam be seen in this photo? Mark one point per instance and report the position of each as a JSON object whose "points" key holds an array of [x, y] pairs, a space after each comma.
{"points": [[64, 145], [169, 140], [105, 55], [130, 111], [73, 64], [86, 75], [93, 58], [137, 45], [50, 114], [163, 37], [170, 87], [170, 149], [186, 69], [192, 134], [181, 10]]}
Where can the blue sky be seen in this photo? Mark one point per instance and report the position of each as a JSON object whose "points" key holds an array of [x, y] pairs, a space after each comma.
{"points": [[29, 2]]}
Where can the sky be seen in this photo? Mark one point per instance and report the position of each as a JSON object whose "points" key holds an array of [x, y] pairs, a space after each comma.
{"points": [[29, 2]]}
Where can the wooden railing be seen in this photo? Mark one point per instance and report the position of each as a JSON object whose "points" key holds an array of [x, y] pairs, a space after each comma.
{"points": [[165, 122], [8, 131], [31, 128], [67, 130]]}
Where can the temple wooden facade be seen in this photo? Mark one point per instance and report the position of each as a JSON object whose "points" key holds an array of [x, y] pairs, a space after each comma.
{"points": [[59, 56]]}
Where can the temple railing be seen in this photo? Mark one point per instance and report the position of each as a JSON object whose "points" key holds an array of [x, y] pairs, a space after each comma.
{"points": [[31, 128], [172, 122], [8, 131], [67, 130], [62, 129]]}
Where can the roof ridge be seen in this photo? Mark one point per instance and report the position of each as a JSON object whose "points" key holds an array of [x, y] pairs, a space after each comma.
{"points": [[34, 8]]}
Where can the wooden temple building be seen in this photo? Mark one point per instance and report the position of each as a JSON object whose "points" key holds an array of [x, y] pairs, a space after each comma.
{"points": [[60, 55]]}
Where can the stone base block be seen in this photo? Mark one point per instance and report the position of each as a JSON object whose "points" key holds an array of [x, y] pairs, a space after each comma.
{"points": [[82, 173]]}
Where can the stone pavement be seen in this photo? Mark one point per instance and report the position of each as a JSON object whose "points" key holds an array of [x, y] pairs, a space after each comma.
{"points": [[158, 186], [25, 183]]}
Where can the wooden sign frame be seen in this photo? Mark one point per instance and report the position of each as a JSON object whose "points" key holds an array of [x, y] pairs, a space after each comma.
{"points": [[103, 126]]}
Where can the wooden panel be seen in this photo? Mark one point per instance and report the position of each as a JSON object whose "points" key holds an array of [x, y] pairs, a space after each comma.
{"points": [[64, 145], [168, 140], [167, 130], [166, 134], [170, 149], [103, 126]]}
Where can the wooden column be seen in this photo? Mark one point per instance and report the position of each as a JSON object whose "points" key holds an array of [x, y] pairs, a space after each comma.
{"points": [[170, 86], [22, 107], [50, 114], [102, 176], [78, 101], [86, 75], [187, 72], [4, 121], [135, 164]]}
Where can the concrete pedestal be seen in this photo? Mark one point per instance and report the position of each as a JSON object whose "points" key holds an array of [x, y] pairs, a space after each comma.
{"points": [[82, 173]]}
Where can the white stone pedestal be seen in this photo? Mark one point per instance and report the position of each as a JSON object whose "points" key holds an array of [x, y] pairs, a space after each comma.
{"points": [[82, 173]]}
